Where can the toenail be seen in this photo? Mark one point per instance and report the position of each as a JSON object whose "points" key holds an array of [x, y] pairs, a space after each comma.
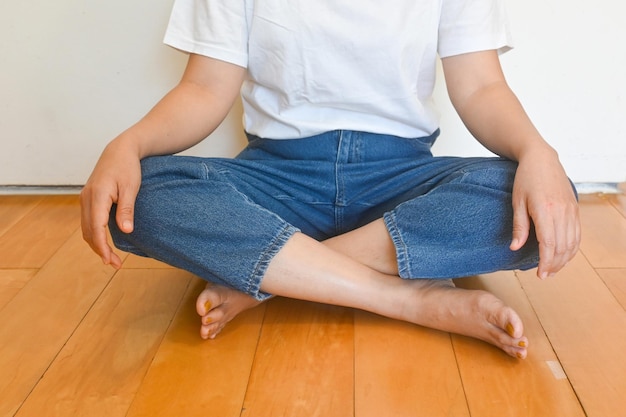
{"points": [[208, 306], [521, 344], [509, 329], [519, 355]]}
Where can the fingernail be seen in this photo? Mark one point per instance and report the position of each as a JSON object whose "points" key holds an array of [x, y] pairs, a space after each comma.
{"points": [[127, 225], [509, 329]]}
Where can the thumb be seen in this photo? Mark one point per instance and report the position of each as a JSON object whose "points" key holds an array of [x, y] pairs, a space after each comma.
{"points": [[521, 227], [125, 214]]}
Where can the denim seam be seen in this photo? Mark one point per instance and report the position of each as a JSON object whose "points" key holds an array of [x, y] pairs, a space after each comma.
{"points": [[339, 184], [277, 243], [402, 250]]}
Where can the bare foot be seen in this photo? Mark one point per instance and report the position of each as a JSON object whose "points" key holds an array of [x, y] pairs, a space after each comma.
{"points": [[437, 304], [218, 305], [440, 305], [431, 303]]}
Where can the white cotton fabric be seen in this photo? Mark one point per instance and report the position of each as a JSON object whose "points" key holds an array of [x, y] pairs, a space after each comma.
{"points": [[321, 65]]}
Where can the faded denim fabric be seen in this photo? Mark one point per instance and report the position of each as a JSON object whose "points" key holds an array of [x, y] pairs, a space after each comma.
{"points": [[225, 219]]}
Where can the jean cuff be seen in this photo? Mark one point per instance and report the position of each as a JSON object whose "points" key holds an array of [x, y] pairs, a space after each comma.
{"points": [[402, 250], [254, 281]]}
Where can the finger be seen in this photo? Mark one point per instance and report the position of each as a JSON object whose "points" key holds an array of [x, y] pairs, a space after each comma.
{"points": [[94, 219], [568, 228], [86, 223], [125, 214], [545, 230], [99, 230], [576, 233], [521, 227], [562, 240], [115, 261]]}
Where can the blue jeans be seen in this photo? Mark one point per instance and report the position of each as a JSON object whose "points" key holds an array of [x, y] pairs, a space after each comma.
{"points": [[225, 219]]}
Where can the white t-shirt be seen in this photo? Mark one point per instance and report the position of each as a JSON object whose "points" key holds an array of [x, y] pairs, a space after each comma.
{"points": [[321, 65]]}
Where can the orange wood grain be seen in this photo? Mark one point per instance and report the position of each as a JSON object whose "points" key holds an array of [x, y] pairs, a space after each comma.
{"points": [[194, 377], [139, 262], [496, 384], [32, 240], [12, 281], [304, 362], [404, 370], [39, 319], [587, 328], [603, 233], [14, 207], [112, 348], [618, 200], [615, 279]]}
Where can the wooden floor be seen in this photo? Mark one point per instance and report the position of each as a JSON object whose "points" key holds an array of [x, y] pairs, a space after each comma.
{"points": [[80, 339]]}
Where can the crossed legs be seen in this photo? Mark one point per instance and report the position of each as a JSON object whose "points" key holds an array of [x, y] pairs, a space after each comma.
{"points": [[189, 214], [358, 269]]}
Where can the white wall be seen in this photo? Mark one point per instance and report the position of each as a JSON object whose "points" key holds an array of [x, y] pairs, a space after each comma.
{"points": [[568, 69], [75, 73]]}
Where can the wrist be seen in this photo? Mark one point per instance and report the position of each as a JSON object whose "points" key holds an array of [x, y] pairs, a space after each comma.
{"points": [[538, 151], [127, 142]]}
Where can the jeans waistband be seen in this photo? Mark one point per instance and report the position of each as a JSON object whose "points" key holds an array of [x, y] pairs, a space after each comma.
{"points": [[344, 146]]}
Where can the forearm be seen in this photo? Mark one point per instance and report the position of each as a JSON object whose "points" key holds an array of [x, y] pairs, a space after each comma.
{"points": [[183, 118], [495, 117], [490, 110], [189, 112]]}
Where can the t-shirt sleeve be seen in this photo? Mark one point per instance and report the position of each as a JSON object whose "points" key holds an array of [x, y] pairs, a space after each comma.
{"points": [[473, 25], [213, 28]]}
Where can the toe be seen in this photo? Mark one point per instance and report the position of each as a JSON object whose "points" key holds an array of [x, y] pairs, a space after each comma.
{"points": [[207, 300], [508, 320], [214, 315], [211, 330], [508, 332], [519, 353]]}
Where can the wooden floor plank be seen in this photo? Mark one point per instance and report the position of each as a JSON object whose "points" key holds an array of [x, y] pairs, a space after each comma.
{"points": [[603, 233], [618, 200], [12, 281], [14, 207], [587, 328], [304, 362], [38, 321], [615, 279], [140, 262], [403, 370], [498, 385], [192, 377], [31, 241], [113, 348]]}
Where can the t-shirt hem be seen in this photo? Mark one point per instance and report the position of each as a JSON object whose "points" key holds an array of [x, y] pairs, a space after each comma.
{"points": [[193, 47], [458, 48]]}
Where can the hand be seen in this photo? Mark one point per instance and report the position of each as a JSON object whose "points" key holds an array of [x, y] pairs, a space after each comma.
{"points": [[542, 193], [115, 180]]}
